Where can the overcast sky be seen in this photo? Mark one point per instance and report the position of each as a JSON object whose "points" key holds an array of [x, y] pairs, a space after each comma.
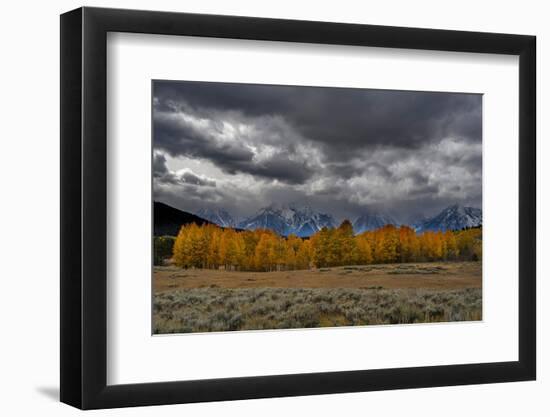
{"points": [[242, 147]]}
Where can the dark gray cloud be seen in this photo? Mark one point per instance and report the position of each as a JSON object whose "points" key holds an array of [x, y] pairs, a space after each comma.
{"points": [[339, 118], [340, 148], [183, 133]]}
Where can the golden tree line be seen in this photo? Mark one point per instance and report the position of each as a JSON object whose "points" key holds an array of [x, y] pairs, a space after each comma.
{"points": [[213, 247]]}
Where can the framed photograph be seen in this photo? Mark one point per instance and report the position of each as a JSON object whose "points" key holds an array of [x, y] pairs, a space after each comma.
{"points": [[257, 208]]}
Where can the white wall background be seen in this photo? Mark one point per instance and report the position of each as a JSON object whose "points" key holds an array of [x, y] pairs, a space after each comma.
{"points": [[29, 213]]}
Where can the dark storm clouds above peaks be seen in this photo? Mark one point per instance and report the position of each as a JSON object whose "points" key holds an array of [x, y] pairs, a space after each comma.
{"points": [[346, 143]]}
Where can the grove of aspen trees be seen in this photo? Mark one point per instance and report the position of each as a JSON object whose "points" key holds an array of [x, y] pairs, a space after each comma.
{"points": [[213, 247]]}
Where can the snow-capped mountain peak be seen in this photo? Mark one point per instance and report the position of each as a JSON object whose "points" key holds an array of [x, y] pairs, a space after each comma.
{"points": [[304, 221], [455, 217], [288, 219]]}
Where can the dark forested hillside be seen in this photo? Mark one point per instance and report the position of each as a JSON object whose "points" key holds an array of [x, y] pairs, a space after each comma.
{"points": [[168, 220]]}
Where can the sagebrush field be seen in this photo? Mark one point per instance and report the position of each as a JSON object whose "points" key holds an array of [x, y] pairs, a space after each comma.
{"points": [[198, 300]]}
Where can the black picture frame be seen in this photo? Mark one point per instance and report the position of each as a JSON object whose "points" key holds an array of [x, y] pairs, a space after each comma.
{"points": [[84, 207]]}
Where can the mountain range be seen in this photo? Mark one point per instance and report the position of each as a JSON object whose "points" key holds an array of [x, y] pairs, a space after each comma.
{"points": [[303, 221], [454, 217], [287, 220], [372, 220], [217, 216]]}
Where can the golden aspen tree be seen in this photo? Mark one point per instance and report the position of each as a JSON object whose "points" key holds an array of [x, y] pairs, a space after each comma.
{"points": [[386, 246], [272, 253], [213, 255], [364, 250], [195, 246], [477, 251], [408, 244], [379, 247], [303, 255], [320, 248], [292, 247], [451, 248], [239, 249], [347, 250], [424, 246], [232, 250], [251, 239], [261, 255], [392, 243], [179, 254], [438, 245]]}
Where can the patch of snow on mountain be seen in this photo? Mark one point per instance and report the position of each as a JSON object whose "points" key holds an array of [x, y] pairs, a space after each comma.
{"points": [[455, 217], [217, 216], [287, 220]]}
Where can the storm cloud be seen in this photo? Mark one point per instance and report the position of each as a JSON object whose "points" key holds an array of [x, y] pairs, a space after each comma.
{"points": [[163, 175], [243, 146]]}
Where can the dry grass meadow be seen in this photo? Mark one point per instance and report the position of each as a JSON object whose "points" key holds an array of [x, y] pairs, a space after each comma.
{"points": [[197, 300]]}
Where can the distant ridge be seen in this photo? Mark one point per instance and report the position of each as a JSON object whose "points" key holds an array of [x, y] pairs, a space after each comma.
{"points": [[168, 220], [372, 220], [454, 217], [305, 222], [217, 216], [288, 219]]}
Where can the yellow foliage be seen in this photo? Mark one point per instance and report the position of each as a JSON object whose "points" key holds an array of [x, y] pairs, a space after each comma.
{"points": [[213, 247]]}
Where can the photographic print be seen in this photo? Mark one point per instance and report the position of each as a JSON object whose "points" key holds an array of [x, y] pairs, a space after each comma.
{"points": [[291, 207]]}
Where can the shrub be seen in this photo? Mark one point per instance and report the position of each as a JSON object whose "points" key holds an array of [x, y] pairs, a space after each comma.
{"points": [[162, 248], [220, 309]]}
